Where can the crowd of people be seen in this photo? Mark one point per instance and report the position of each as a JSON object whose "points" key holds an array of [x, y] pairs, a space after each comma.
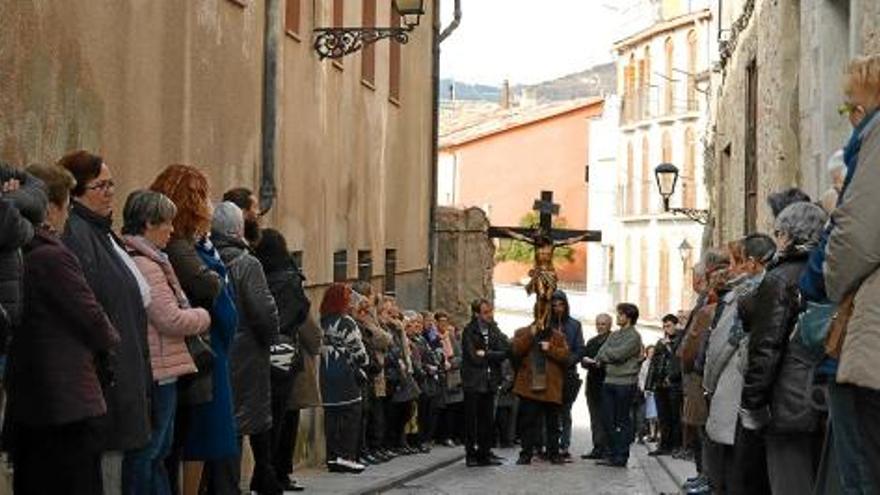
{"points": [[768, 383]]}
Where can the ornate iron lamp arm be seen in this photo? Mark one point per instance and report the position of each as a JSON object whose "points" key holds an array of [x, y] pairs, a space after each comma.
{"points": [[341, 41], [699, 216]]}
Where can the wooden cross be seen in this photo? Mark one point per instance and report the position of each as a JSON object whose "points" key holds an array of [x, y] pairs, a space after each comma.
{"points": [[547, 209]]}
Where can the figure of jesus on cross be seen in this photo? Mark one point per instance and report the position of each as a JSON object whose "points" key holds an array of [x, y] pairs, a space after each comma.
{"points": [[545, 239]]}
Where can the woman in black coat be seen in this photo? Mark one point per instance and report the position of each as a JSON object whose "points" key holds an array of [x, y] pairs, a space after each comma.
{"points": [[776, 395], [55, 397], [124, 295], [286, 284]]}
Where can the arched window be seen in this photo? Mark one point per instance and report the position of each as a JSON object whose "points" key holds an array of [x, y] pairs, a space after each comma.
{"points": [[667, 148], [663, 303], [646, 175], [689, 173], [630, 180], [643, 276], [692, 72], [629, 89], [670, 76], [645, 85], [629, 260]]}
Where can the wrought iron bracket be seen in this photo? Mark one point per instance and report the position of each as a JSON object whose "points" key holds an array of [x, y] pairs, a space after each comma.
{"points": [[699, 216], [338, 42]]}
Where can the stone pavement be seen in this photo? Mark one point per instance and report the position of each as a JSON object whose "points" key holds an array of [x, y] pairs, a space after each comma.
{"points": [[643, 476], [382, 477]]}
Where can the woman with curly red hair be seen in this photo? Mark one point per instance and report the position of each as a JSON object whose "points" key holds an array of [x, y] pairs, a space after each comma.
{"points": [[343, 358], [199, 396]]}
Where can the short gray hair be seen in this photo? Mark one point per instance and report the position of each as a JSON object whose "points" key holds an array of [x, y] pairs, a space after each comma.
{"points": [[802, 223], [228, 220], [144, 208]]}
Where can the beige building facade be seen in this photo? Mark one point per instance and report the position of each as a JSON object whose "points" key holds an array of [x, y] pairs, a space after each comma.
{"points": [[776, 86], [148, 83], [661, 73]]}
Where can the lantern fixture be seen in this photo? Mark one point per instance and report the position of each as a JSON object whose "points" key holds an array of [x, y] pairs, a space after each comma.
{"points": [[666, 175], [684, 250], [337, 42]]}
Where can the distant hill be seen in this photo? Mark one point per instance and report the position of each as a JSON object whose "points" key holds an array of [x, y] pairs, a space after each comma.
{"points": [[596, 81]]}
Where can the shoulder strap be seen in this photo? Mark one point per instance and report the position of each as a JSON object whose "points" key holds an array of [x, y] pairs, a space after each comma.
{"points": [[237, 259]]}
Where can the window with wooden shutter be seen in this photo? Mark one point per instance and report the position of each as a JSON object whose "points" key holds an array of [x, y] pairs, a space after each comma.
{"points": [[368, 53], [670, 82], [751, 151], [630, 180], [692, 104], [688, 175], [646, 175], [292, 18]]}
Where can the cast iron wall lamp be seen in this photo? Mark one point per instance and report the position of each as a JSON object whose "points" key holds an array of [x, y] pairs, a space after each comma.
{"points": [[667, 178], [337, 42]]}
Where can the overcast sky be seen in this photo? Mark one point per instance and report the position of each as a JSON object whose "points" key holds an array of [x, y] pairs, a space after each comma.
{"points": [[527, 41]]}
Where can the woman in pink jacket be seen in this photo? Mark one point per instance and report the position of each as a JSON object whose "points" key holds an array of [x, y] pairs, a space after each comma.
{"points": [[147, 229]]}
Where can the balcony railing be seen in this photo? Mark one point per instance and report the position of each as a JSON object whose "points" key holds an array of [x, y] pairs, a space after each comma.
{"points": [[650, 103]]}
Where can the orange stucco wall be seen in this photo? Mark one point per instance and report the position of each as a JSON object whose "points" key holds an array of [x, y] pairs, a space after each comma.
{"points": [[507, 171]]}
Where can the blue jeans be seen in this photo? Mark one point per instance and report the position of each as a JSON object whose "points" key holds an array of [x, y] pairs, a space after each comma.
{"points": [[847, 441], [144, 470], [617, 401]]}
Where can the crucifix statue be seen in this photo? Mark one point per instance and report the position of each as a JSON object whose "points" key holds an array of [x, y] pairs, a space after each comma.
{"points": [[545, 240]]}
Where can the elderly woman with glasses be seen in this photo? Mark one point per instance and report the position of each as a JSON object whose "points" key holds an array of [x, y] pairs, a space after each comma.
{"points": [[774, 399], [147, 230], [124, 295]]}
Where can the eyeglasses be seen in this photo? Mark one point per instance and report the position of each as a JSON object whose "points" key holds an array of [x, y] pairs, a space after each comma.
{"points": [[103, 186], [847, 109]]}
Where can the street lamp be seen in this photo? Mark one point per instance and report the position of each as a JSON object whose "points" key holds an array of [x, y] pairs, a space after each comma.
{"points": [[337, 42], [667, 178]]}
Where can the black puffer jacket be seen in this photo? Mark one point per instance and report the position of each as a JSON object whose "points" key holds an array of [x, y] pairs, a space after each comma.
{"points": [[483, 373], [770, 318], [20, 210]]}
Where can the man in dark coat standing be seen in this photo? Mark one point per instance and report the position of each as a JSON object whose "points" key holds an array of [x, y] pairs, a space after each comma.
{"points": [[595, 379], [484, 348], [561, 320]]}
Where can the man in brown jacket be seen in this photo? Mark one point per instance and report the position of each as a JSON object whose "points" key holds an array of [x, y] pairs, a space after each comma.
{"points": [[542, 357]]}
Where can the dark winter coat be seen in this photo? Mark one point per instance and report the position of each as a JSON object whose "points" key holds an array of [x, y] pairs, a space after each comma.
{"points": [[257, 331], [595, 374], [127, 423], [201, 286], [574, 334], [20, 210], [661, 364], [482, 373], [342, 339], [774, 312], [53, 379]]}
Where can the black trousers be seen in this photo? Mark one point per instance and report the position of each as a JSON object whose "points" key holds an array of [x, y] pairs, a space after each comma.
{"points": [[427, 418], [285, 443], [342, 430], [617, 407], [598, 430], [867, 405], [504, 425], [56, 459], [478, 416], [748, 474], [668, 418], [373, 436], [540, 424], [397, 415]]}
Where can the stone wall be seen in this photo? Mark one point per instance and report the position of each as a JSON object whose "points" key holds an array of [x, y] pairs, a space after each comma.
{"points": [[465, 257], [802, 49]]}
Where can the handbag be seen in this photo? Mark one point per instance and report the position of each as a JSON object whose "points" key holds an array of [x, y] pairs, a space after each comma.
{"points": [[200, 350], [837, 330], [814, 324]]}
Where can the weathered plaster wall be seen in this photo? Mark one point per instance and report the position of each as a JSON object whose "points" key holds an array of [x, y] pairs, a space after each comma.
{"points": [[149, 83]]}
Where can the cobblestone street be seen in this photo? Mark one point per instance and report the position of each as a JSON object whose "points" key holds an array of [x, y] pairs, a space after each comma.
{"points": [[643, 476]]}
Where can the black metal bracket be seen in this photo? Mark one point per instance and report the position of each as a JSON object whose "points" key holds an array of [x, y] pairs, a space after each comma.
{"points": [[699, 216], [341, 41]]}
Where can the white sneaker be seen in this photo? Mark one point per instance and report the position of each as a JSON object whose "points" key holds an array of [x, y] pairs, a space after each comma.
{"points": [[340, 465]]}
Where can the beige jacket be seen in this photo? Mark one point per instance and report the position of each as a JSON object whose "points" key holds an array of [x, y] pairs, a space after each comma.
{"points": [[851, 262]]}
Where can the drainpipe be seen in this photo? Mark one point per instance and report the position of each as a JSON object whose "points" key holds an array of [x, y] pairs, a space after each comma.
{"points": [[270, 105], [437, 38]]}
